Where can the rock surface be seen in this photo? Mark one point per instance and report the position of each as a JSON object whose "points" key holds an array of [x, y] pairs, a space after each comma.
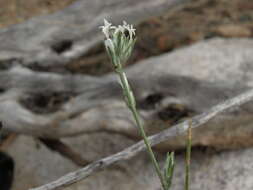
{"points": [[168, 87], [229, 170], [55, 39], [35, 164]]}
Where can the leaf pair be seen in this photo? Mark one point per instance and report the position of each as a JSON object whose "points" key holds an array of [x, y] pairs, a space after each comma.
{"points": [[169, 170]]}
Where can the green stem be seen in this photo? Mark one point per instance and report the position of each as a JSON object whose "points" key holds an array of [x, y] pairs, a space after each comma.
{"points": [[188, 158], [136, 116], [149, 149]]}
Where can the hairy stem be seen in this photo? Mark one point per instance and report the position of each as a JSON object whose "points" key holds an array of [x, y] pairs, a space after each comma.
{"points": [[131, 104]]}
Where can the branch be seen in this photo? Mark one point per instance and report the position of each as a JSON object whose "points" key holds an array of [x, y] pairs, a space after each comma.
{"points": [[154, 140]]}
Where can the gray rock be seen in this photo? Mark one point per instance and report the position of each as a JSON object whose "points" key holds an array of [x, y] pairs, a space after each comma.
{"points": [[55, 39], [35, 164], [228, 170]]}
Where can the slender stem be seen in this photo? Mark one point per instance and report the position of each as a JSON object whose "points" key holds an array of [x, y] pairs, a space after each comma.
{"points": [[136, 116], [149, 149], [188, 157]]}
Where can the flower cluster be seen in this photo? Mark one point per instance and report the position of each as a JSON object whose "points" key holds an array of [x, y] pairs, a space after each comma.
{"points": [[119, 41]]}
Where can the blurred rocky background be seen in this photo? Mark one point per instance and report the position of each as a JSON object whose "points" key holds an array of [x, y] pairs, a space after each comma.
{"points": [[61, 106]]}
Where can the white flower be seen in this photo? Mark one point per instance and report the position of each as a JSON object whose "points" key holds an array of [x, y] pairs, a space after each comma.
{"points": [[119, 44], [119, 29], [125, 23], [130, 29], [106, 28]]}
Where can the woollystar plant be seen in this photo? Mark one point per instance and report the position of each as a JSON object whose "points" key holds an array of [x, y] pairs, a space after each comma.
{"points": [[119, 43]]}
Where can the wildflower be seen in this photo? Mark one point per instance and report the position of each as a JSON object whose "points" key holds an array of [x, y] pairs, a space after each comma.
{"points": [[106, 28], [119, 41], [119, 44], [129, 28]]}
